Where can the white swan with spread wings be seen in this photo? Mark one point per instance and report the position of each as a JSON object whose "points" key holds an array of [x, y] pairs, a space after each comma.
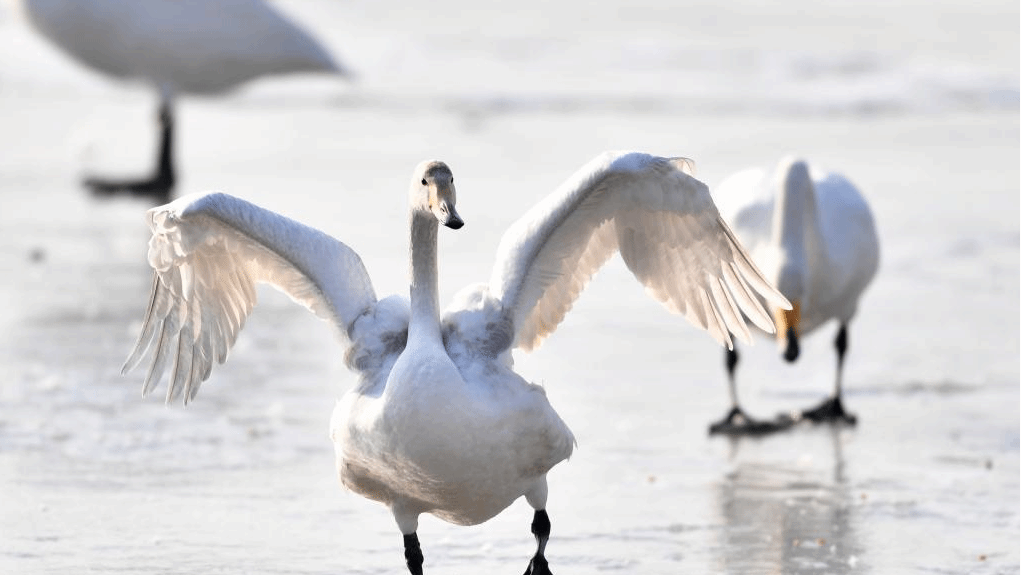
{"points": [[439, 422]]}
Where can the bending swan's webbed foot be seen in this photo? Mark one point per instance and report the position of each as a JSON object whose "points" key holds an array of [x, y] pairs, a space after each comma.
{"points": [[737, 422], [830, 410], [413, 554], [541, 529]]}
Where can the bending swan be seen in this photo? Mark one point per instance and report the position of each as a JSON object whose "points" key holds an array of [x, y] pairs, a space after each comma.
{"points": [[813, 235], [439, 422]]}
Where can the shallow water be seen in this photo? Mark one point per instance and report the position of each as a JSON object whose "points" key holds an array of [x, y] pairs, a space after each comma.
{"points": [[95, 479]]}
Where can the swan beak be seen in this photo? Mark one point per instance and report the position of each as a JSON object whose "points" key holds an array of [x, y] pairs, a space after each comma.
{"points": [[791, 352], [787, 329], [442, 200], [447, 213], [452, 220]]}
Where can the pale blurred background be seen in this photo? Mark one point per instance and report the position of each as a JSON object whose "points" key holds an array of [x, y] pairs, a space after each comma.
{"points": [[916, 102]]}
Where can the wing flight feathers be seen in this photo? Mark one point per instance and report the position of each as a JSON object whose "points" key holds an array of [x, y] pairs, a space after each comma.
{"points": [[208, 252], [668, 231]]}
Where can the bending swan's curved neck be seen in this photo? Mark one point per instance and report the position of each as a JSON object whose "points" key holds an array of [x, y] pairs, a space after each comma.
{"points": [[795, 227], [425, 299]]}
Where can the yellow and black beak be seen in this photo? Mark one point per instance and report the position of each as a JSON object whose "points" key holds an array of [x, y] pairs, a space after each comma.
{"points": [[787, 330]]}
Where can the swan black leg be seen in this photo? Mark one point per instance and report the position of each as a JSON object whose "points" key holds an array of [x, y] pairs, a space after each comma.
{"points": [[737, 422], [413, 554], [541, 529], [161, 185], [833, 408]]}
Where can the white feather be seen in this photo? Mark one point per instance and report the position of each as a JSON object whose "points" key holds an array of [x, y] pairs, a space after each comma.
{"points": [[189, 46], [209, 250], [661, 220], [841, 245]]}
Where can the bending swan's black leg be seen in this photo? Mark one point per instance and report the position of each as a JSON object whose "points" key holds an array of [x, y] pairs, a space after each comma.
{"points": [[833, 408], [413, 554], [541, 529], [737, 422], [161, 185]]}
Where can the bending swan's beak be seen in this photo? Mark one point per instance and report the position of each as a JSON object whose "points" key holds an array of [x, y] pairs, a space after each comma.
{"points": [[787, 329]]}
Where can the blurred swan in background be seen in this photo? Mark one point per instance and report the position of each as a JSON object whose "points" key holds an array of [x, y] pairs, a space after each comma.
{"points": [[813, 235], [438, 421], [179, 47]]}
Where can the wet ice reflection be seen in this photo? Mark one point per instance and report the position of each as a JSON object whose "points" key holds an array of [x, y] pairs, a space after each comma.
{"points": [[788, 518]]}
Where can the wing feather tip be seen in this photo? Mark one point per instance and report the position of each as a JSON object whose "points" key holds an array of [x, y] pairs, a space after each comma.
{"points": [[148, 387], [783, 302]]}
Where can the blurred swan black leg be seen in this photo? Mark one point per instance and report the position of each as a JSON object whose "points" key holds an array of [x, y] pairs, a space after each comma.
{"points": [[737, 422], [833, 408], [160, 186], [413, 554], [541, 529]]}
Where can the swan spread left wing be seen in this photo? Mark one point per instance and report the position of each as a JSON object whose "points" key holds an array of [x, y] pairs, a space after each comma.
{"points": [[208, 251], [667, 230]]}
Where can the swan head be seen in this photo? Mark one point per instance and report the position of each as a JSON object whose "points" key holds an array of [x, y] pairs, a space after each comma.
{"points": [[788, 328], [786, 272], [432, 190]]}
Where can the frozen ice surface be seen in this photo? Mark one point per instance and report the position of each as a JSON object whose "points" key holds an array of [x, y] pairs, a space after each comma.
{"points": [[95, 479]]}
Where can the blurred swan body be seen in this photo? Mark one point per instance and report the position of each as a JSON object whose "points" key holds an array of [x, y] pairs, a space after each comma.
{"points": [[438, 421], [813, 235], [178, 47]]}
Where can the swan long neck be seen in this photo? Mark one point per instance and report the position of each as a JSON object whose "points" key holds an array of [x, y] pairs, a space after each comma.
{"points": [[795, 228], [425, 298]]}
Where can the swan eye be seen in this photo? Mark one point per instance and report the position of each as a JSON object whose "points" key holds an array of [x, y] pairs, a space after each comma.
{"points": [[424, 183]]}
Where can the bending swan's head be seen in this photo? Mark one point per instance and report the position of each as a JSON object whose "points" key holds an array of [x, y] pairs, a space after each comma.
{"points": [[788, 330], [432, 189]]}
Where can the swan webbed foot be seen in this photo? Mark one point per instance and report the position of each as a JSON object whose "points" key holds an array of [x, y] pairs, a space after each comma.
{"points": [[538, 566], [541, 529], [831, 410], [159, 188], [737, 422], [413, 554]]}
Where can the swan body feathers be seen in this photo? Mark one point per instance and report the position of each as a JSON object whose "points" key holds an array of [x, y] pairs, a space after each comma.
{"points": [[192, 46], [438, 421], [833, 254]]}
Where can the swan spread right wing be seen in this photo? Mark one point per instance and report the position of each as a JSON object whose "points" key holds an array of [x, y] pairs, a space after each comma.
{"points": [[666, 228], [208, 252]]}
